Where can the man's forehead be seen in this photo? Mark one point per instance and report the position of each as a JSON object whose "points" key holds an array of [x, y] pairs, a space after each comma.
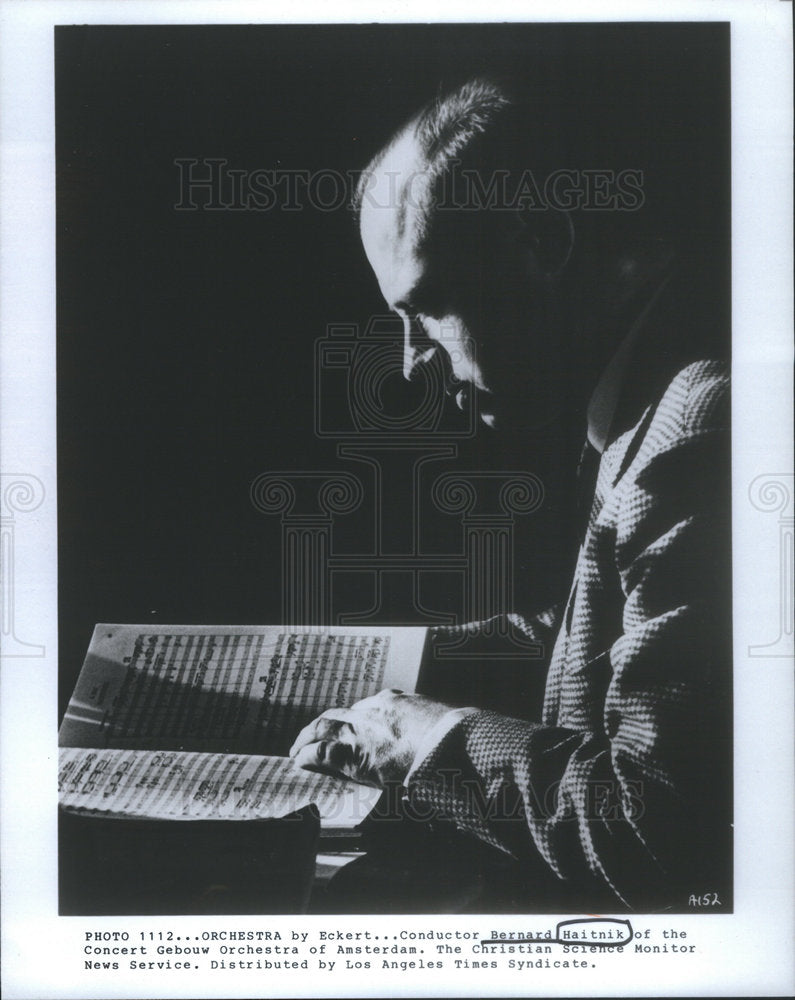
{"points": [[400, 180], [393, 215]]}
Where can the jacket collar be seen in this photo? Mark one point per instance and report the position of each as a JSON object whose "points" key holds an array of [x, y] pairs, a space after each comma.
{"points": [[606, 395]]}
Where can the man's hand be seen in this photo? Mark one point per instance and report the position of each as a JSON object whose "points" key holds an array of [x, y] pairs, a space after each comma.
{"points": [[373, 741]]}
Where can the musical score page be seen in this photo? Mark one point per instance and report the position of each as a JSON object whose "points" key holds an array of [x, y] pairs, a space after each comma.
{"points": [[244, 688], [173, 785]]}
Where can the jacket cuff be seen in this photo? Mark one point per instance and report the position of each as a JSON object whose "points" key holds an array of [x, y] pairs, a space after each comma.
{"points": [[434, 736]]}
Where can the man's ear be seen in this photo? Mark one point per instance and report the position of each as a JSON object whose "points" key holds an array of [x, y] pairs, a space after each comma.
{"points": [[547, 236]]}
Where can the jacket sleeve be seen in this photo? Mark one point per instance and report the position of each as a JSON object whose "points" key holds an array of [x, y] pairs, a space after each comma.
{"points": [[636, 804], [501, 632]]}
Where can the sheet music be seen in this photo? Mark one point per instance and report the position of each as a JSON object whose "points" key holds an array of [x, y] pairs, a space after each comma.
{"points": [[178, 785], [212, 687]]}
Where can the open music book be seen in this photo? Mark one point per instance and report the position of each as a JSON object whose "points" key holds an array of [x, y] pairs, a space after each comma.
{"points": [[186, 722]]}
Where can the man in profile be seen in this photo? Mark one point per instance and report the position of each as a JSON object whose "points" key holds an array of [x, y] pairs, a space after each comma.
{"points": [[617, 793]]}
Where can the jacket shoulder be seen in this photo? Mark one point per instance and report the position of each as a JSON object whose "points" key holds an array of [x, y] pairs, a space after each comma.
{"points": [[696, 401]]}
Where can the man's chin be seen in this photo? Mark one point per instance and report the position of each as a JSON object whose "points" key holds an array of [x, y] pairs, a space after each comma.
{"points": [[469, 397], [489, 419]]}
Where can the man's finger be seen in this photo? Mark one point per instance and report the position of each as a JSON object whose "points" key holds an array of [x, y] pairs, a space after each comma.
{"points": [[311, 755], [330, 756], [324, 726]]}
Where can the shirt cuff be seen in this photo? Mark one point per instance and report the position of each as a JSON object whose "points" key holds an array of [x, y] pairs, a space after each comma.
{"points": [[434, 736]]}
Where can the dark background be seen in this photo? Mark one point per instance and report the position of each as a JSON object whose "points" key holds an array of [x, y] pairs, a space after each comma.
{"points": [[186, 339]]}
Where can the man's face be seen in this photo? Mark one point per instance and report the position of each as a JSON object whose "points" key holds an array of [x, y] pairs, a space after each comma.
{"points": [[459, 281]]}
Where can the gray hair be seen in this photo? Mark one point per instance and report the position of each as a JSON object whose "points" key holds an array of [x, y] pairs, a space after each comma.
{"points": [[445, 129]]}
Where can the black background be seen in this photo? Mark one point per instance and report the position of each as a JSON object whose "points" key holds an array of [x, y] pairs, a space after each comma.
{"points": [[186, 339]]}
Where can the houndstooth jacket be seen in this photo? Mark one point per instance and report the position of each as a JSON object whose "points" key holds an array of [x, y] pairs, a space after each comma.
{"points": [[622, 784]]}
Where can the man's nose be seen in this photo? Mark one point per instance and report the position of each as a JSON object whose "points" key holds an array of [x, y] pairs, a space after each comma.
{"points": [[417, 347]]}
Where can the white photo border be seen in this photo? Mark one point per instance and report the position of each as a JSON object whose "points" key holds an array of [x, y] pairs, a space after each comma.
{"points": [[747, 953]]}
